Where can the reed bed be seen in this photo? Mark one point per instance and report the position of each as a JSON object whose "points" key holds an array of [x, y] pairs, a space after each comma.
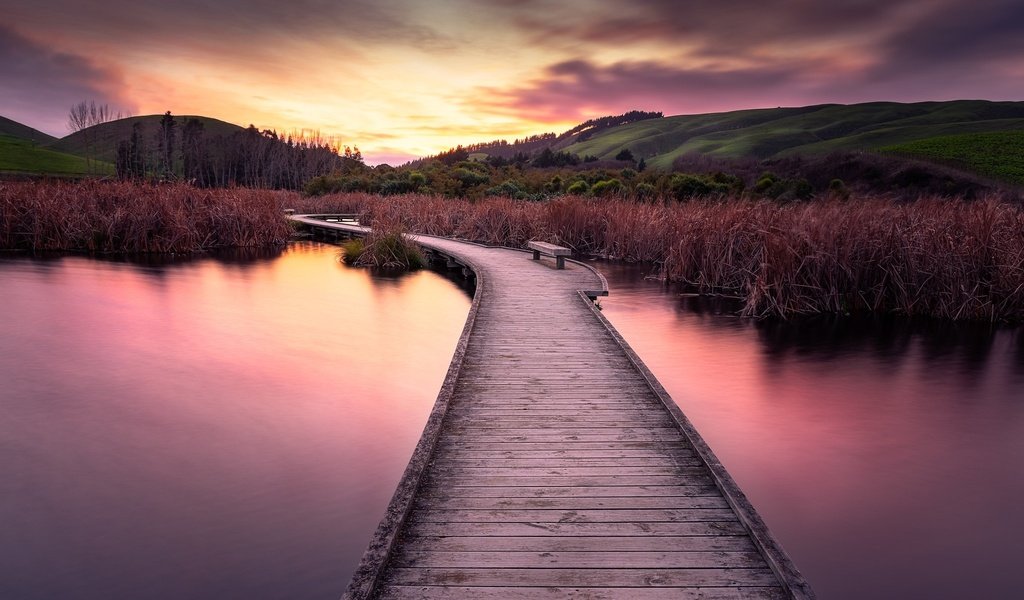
{"points": [[385, 247], [933, 257], [129, 217]]}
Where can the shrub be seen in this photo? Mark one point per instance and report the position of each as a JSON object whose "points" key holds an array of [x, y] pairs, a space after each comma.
{"points": [[685, 187], [352, 250], [645, 191], [606, 187], [578, 188], [386, 246]]}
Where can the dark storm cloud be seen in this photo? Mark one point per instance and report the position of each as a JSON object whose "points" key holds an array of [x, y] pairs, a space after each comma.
{"points": [[959, 35], [39, 85]]}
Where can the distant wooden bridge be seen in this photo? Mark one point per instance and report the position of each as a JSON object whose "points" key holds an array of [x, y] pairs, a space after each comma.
{"points": [[554, 465]]}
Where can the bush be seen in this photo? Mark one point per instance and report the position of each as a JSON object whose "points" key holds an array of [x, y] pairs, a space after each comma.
{"points": [[470, 178], [685, 187], [352, 250], [508, 189], [645, 191], [606, 187], [386, 246], [578, 188]]}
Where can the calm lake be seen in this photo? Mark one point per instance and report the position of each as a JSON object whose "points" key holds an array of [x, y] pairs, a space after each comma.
{"points": [[208, 429], [234, 427]]}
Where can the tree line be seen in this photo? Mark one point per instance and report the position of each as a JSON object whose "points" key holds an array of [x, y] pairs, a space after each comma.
{"points": [[249, 158]]}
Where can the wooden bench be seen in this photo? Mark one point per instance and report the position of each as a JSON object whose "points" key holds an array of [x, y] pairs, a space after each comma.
{"points": [[547, 249]]}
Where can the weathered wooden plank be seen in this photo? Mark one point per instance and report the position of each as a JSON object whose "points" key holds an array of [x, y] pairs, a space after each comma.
{"points": [[557, 481], [698, 528], [456, 592], [447, 470], [463, 461], [719, 543], [496, 430], [540, 436], [583, 577], [557, 444], [446, 489], [621, 515], [439, 501], [678, 453], [579, 560], [496, 422]]}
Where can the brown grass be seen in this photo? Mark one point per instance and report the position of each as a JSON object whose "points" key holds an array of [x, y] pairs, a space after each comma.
{"points": [[127, 217], [934, 257]]}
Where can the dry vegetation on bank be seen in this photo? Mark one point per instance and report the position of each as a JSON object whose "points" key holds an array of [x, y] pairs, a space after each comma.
{"points": [[935, 257], [384, 247], [128, 217]]}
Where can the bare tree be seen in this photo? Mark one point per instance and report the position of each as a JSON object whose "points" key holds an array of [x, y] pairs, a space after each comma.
{"points": [[85, 115]]}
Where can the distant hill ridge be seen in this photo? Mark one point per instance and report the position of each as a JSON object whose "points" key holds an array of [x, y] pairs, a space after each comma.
{"points": [[777, 132], [658, 140], [103, 138], [24, 132]]}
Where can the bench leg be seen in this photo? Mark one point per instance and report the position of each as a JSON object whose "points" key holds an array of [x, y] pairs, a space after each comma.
{"points": [[536, 255], [559, 262]]}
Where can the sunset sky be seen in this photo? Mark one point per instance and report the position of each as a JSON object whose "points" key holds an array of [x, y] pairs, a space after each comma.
{"points": [[402, 79]]}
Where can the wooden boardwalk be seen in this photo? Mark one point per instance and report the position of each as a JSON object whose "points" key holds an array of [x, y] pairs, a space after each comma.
{"points": [[555, 466]]}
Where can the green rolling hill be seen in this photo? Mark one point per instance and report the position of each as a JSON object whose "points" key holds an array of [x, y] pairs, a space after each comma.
{"points": [[101, 140], [27, 150], [766, 133], [19, 155], [17, 130]]}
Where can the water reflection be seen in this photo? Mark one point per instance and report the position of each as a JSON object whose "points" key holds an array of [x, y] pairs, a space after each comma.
{"points": [[879, 450], [223, 427]]}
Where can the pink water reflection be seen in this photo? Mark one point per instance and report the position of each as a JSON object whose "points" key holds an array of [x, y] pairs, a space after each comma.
{"points": [[210, 429], [888, 459]]}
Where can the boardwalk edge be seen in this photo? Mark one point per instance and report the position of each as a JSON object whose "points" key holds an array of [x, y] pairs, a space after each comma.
{"points": [[371, 567], [777, 558]]}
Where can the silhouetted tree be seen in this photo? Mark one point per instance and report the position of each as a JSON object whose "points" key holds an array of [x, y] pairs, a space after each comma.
{"points": [[83, 116], [165, 145], [193, 152]]}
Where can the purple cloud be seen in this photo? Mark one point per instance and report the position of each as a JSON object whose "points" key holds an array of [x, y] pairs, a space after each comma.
{"points": [[40, 85], [579, 89]]}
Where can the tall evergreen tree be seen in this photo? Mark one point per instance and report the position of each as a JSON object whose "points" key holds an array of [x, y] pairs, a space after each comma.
{"points": [[165, 145]]}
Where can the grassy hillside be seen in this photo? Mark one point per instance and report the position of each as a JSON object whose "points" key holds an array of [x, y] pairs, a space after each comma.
{"points": [[818, 129], [997, 154], [16, 129], [101, 140], [19, 155]]}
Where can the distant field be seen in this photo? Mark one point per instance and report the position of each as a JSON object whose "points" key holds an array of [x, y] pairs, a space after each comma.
{"points": [[997, 154], [773, 132], [22, 156]]}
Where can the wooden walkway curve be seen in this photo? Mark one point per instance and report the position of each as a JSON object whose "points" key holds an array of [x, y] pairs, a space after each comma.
{"points": [[554, 465]]}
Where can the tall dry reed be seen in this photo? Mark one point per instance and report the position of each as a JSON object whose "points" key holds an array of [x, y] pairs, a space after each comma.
{"points": [[935, 257], [130, 217]]}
